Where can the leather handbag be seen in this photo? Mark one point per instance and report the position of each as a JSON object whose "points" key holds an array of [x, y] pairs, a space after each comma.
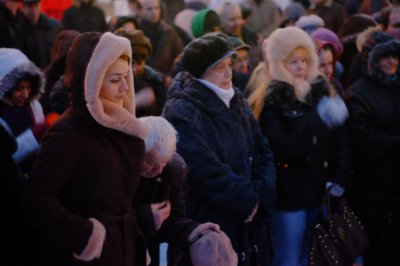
{"points": [[339, 237]]}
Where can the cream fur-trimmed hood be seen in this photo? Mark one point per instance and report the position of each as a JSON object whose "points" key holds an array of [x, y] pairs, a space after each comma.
{"points": [[122, 118], [280, 44]]}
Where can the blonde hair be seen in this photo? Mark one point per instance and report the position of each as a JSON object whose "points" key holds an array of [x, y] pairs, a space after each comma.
{"points": [[298, 50], [258, 84], [162, 137]]}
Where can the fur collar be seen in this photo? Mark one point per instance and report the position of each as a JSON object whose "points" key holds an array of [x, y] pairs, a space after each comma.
{"points": [[282, 94]]}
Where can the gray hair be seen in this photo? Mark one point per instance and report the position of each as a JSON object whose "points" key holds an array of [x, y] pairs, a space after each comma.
{"points": [[162, 137]]}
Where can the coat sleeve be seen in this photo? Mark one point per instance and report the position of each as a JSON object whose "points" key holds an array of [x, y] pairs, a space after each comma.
{"points": [[210, 180], [54, 168], [364, 135], [177, 227], [341, 172], [263, 167]]}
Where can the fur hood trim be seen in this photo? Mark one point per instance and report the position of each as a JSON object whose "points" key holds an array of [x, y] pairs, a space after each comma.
{"points": [[363, 36], [377, 54], [280, 44], [122, 118], [14, 66]]}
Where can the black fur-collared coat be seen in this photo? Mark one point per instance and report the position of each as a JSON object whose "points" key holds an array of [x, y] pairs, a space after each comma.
{"points": [[374, 126], [307, 152]]}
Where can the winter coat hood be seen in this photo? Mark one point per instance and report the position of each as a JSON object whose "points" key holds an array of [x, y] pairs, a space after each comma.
{"points": [[16, 66], [88, 61], [377, 54], [280, 44]]}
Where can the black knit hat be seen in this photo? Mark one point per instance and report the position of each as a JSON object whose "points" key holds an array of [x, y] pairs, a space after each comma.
{"points": [[206, 51]]}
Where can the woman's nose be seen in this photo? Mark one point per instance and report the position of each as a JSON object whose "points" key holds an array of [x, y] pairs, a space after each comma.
{"points": [[124, 86], [25, 93]]}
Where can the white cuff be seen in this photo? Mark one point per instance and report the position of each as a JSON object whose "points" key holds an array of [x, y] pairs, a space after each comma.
{"points": [[94, 246]]}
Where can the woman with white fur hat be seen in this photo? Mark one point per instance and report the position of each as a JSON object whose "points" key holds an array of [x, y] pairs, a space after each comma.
{"points": [[303, 121], [80, 191]]}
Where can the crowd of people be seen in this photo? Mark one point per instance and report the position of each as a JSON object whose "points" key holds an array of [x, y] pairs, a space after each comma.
{"points": [[216, 126]]}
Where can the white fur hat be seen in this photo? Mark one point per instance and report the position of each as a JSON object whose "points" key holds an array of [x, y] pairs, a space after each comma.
{"points": [[280, 44]]}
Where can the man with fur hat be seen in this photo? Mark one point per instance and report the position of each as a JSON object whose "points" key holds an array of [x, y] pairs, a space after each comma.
{"points": [[231, 175], [80, 191]]}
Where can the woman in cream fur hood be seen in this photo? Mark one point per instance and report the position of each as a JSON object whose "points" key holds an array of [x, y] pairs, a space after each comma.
{"points": [[280, 44], [303, 122], [81, 187]]}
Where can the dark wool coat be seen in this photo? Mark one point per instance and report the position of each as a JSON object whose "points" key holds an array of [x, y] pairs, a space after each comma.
{"points": [[39, 39], [230, 163], [10, 28], [165, 42], [374, 126], [11, 223], [333, 14], [307, 152], [85, 170], [87, 17]]}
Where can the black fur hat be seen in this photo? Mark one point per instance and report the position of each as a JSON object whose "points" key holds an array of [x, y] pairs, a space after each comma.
{"points": [[206, 51]]}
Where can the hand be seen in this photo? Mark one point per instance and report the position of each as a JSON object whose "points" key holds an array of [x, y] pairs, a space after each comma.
{"points": [[332, 111], [253, 213], [202, 228], [145, 98], [161, 212]]}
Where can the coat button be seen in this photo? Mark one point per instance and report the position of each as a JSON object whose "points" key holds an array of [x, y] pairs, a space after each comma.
{"points": [[294, 112], [325, 164]]}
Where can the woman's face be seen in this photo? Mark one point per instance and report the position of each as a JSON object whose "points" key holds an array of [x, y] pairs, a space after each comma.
{"points": [[389, 65], [326, 63], [297, 65], [115, 83], [20, 94], [220, 74]]}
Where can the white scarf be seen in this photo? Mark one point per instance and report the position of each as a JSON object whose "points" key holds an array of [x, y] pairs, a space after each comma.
{"points": [[225, 95]]}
